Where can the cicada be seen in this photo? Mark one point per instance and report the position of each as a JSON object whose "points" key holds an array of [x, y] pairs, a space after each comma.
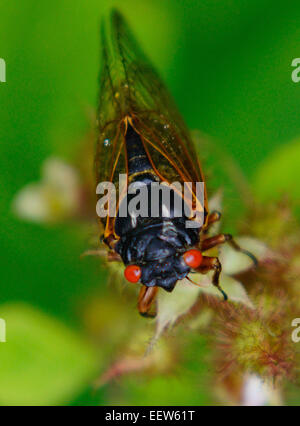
{"points": [[143, 138]]}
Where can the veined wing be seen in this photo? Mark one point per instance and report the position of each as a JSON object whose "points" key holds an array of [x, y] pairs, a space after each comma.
{"points": [[131, 88]]}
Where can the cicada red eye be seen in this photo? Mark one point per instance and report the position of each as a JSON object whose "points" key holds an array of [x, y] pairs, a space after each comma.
{"points": [[193, 258], [133, 273]]}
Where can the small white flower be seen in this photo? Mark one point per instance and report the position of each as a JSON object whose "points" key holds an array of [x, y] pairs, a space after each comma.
{"points": [[54, 198], [171, 306], [232, 287], [258, 392], [235, 262]]}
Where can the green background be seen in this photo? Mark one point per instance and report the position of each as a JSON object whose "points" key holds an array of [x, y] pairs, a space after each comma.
{"points": [[228, 65]]}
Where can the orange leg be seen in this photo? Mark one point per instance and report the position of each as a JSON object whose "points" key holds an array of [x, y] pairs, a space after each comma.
{"points": [[213, 217], [225, 238], [111, 255], [212, 264], [145, 300], [214, 241]]}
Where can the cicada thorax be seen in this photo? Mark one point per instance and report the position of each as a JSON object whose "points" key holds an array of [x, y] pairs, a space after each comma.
{"points": [[151, 232]]}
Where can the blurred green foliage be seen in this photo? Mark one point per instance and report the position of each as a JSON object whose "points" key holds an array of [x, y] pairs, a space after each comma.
{"points": [[278, 176], [228, 65], [42, 362]]}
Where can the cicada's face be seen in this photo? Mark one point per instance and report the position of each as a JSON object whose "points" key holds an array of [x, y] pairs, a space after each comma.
{"points": [[164, 272], [163, 266]]}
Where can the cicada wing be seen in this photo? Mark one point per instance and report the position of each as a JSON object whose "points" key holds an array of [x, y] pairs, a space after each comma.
{"points": [[110, 161], [130, 87], [157, 117]]}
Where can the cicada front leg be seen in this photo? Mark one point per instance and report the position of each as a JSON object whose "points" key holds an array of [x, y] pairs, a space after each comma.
{"points": [[213, 217], [212, 264], [111, 256], [215, 241], [146, 299]]}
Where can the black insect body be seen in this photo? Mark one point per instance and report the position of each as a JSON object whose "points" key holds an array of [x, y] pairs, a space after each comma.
{"points": [[143, 137]]}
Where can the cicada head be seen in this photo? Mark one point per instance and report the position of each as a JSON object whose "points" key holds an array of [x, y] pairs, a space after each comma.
{"points": [[160, 255]]}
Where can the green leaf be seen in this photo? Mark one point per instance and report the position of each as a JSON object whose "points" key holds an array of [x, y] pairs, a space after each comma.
{"points": [[43, 362], [277, 176]]}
